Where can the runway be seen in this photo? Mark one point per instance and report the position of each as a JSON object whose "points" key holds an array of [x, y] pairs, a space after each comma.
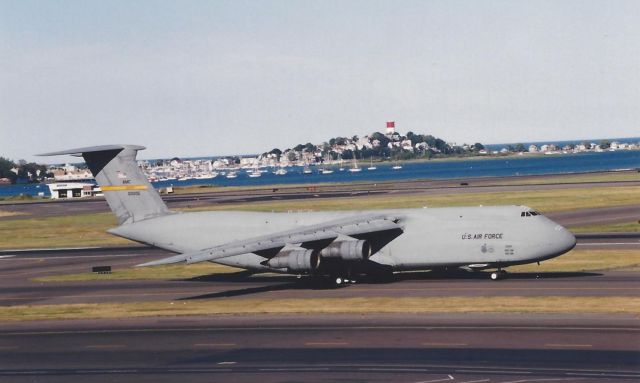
{"points": [[396, 348]]}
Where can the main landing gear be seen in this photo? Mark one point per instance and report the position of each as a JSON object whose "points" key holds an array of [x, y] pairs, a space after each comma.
{"points": [[497, 275], [342, 281]]}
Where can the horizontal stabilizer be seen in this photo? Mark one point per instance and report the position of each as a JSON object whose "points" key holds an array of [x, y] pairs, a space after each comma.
{"points": [[126, 188], [166, 261], [91, 149]]}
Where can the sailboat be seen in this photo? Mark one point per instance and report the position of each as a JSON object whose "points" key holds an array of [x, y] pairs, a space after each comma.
{"points": [[371, 167], [355, 167]]}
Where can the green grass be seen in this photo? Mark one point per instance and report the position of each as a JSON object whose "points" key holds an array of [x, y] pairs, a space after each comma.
{"points": [[550, 304]]}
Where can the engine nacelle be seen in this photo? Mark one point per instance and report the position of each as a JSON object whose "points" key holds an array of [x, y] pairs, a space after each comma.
{"points": [[296, 260], [358, 250]]}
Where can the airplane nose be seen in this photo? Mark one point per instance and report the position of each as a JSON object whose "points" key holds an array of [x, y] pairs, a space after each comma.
{"points": [[564, 239]]}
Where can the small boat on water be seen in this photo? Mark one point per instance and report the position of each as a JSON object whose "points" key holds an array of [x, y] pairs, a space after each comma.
{"points": [[355, 168], [280, 172], [371, 167], [232, 175]]}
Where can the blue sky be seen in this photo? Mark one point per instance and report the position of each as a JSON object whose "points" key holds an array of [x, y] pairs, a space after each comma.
{"points": [[192, 78]]}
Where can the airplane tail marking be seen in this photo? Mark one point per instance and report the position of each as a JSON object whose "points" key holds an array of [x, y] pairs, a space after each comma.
{"points": [[127, 190]]}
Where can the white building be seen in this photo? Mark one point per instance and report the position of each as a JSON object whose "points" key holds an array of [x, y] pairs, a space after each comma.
{"points": [[73, 190]]}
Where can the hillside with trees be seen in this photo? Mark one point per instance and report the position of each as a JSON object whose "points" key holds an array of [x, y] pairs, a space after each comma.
{"points": [[376, 146]]}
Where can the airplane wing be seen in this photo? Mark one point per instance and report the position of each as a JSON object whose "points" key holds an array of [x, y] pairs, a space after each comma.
{"points": [[378, 230]]}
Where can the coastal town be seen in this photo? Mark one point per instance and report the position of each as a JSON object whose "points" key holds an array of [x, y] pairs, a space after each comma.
{"points": [[351, 154]]}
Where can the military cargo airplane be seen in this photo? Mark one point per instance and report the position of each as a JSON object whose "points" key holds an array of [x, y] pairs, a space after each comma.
{"points": [[337, 245]]}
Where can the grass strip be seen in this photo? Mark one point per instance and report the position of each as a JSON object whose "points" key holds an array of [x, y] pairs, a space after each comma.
{"points": [[625, 227], [63, 231], [4, 213], [574, 261], [551, 304], [543, 200], [181, 271], [585, 260]]}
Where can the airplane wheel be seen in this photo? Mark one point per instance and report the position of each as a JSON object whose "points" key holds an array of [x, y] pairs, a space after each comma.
{"points": [[497, 275]]}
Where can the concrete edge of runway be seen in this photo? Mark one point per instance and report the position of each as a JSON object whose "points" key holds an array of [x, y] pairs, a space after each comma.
{"points": [[568, 321]]}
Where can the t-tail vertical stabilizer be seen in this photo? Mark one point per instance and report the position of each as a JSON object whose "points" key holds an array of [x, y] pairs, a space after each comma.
{"points": [[128, 192]]}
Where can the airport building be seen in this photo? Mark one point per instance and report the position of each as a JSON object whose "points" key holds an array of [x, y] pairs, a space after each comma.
{"points": [[73, 190]]}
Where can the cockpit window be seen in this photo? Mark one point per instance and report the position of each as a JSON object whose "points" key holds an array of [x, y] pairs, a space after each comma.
{"points": [[531, 213]]}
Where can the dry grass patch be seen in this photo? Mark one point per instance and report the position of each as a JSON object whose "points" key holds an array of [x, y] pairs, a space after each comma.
{"points": [[66, 231], [181, 271], [326, 306], [4, 213], [625, 227], [542, 200], [585, 260]]}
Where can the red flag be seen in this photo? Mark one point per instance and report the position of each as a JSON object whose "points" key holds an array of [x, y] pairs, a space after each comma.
{"points": [[391, 124]]}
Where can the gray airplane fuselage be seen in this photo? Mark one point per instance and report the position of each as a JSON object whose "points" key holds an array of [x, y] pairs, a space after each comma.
{"points": [[480, 237], [337, 244]]}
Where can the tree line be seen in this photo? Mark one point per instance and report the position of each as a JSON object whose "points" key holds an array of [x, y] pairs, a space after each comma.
{"points": [[22, 171]]}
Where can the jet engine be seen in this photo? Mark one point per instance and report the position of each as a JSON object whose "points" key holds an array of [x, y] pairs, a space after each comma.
{"points": [[296, 260], [358, 250]]}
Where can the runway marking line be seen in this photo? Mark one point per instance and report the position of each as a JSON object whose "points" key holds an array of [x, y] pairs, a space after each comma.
{"points": [[226, 363], [296, 369], [326, 343], [568, 345], [448, 378], [8, 347], [608, 375], [444, 344], [106, 346], [495, 372], [214, 344], [391, 369], [476, 381], [540, 380]]}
